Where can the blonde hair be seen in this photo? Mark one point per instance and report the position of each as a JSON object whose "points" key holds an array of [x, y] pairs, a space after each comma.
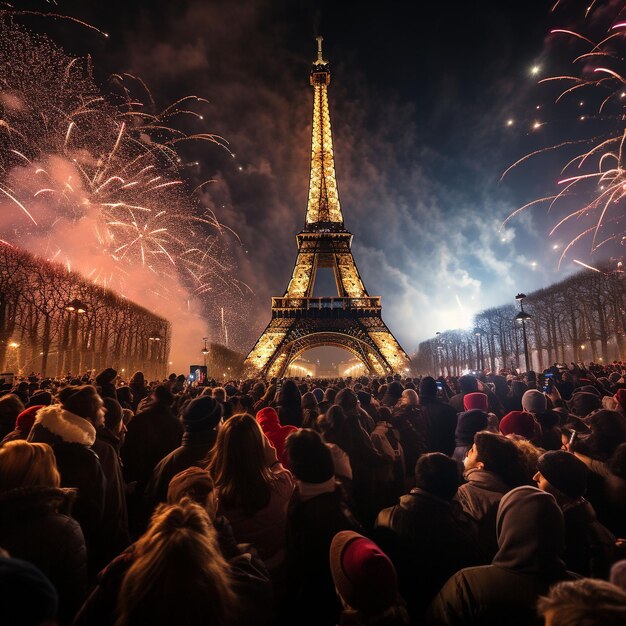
{"points": [[25, 464], [177, 557]]}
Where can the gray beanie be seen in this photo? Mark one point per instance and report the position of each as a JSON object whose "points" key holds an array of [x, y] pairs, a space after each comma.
{"points": [[534, 401]]}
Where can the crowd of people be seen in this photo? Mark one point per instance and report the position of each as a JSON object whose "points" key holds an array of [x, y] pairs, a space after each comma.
{"points": [[489, 498]]}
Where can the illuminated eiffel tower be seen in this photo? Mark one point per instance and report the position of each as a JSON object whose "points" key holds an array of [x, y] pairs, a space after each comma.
{"points": [[351, 320]]}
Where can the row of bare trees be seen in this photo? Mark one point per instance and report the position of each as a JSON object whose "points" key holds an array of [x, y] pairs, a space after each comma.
{"points": [[53, 321], [582, 318]]}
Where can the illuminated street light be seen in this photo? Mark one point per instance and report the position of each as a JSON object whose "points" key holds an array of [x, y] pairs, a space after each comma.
{"points": [[522, 317]]}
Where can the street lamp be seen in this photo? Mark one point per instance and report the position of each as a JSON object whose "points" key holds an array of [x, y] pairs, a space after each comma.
{"points": [[205, 349], [155, 339], [522, 317], [76, 308]]}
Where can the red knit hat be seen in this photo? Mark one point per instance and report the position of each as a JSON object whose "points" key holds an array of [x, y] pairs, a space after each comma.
{"points": [[518, 423], [476, 400], [26, 418], [363, 574]]}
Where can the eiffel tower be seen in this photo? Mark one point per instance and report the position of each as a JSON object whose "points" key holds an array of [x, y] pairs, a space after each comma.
{"points": [[352, 320]]}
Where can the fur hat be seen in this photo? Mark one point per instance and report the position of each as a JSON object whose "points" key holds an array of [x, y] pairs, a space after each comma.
{"points": [[534, 401], [564, 472], [363, 574], [583, 403]]}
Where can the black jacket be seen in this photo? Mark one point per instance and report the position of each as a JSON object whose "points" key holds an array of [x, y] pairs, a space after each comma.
{"points": [[428, 539], [440, 421], [33, 528]]}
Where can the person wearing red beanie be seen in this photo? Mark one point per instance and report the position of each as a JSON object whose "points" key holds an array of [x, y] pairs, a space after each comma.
{"points": [[476, 400], [23, 423], [275, 433], [519, 423]]}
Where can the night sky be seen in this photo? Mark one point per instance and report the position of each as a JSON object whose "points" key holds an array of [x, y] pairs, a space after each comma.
{"points": [[420, 104]]}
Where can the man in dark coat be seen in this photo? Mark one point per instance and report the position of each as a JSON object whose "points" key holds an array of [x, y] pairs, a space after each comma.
{"points": [[589, 546], [317, 512], [426, 534], [439, 416], [200, 418], [530, 532], [467, 384], [153, 433]]}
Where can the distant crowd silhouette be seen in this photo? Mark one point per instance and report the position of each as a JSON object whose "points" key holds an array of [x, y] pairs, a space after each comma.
{"points": [[489, 498]]}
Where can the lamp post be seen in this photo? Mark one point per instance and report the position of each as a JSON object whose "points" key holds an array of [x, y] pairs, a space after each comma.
{"points": [[522, 317], [76, 308], [437, 348], [154, 340]]}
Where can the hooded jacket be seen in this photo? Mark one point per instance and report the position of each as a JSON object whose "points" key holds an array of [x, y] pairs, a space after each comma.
{"points": [[71, 438], [277, 434], [35, 526], [530, 533]]}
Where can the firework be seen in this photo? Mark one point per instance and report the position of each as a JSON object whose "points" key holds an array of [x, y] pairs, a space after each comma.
{"points": [[95, 181], [596, 177]]}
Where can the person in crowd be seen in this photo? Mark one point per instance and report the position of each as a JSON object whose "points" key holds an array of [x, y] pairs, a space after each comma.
{"points": [[10, 407], [349, 402], [468, 424], [152, 433], [366, 581], [276, 434], [139, 389], [467, 384], [267, 399], [393, 393], [70, 428], [529, 455], [253, 489], [113, 534], [124, 396], [200, 419], [23, 423], [530, 536], [317, 512], [589, 546], [105, 382], [440, 418], [426, 534], [585, 602], [492, 468], [27, 598], [35, 522], [583, 403], [310, 411], [289, 404], [368, 404], [408, 421], [514, 397], [521, 424]]}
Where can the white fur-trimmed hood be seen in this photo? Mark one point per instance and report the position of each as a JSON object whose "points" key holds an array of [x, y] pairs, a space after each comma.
{"points": [[70, 427]]}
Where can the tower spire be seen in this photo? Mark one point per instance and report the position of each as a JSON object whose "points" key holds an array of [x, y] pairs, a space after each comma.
{"points": [[323, 208]]}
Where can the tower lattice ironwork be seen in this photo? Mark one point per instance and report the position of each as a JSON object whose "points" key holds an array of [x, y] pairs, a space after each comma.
{"points": [[352, 319]]}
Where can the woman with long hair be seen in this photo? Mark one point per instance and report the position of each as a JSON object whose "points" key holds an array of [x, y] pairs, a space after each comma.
{"points": [[178, 575], [252, 486], [290, 404]]}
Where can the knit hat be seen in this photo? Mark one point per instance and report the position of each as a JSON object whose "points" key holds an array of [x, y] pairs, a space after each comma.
{"points": [[203, 413], [26, 418], [583, 403], [194, 483], [309, 457], [40, 398], [468, 424], [83, 401], [428, 387], [564, 471], [534, 401], [364, 576], [589, 389], [518, 423], [476, 400], [26, 596]]}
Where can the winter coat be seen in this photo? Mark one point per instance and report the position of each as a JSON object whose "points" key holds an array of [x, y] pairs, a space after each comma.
{"points": [[311, 525], [112, 535], [276, 434], [479, 498], [249, 575], [411, 427], [589, 546], [530, 534], [152, 434], [193, 451], [71, 438], [440, 421], [33, 528], [428, 539]]}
